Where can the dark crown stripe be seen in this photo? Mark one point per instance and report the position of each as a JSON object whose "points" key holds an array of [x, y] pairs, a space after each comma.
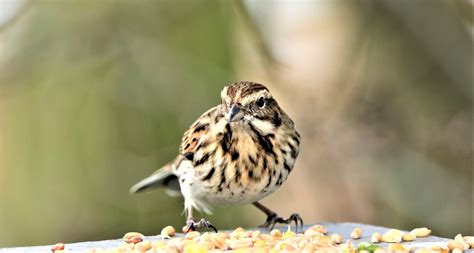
{"points": [[246, 88], [253, 88]]}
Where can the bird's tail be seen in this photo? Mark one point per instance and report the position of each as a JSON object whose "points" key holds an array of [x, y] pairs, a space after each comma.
{"points": [[162, 177]]}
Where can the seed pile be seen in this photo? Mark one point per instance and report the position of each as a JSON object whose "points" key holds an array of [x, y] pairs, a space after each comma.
{"points": [[314, 239]]}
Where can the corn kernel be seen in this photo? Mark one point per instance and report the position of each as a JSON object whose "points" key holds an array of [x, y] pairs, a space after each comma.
{"points": [[393, 235], [336, 238], [356, 233], [408, 237], [168, 231], [133, 237], [460, 239], [420, 232], [376, 237]]}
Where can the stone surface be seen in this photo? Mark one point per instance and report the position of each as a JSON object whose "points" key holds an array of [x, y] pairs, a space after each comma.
{"points": [[344, 229]]}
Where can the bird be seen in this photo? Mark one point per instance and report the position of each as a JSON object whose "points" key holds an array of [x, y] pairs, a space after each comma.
{"points": [[236, 153]]}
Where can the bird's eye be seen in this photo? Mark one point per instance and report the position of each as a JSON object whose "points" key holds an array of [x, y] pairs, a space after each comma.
{"points": [[261, 102]]}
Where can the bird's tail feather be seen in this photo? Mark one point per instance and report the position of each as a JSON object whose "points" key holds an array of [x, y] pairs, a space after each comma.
{"points": [[162, 177]]}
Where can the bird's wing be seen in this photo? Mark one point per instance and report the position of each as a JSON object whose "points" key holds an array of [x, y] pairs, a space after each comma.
{"points": [[166, 176], [193, 137]]}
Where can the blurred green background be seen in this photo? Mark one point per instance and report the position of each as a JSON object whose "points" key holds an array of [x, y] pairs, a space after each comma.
{"points": [[95, 95]]}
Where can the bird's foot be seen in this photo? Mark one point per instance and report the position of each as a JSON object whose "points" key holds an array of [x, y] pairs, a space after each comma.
{"points": [[273, 219], [203, 223]]}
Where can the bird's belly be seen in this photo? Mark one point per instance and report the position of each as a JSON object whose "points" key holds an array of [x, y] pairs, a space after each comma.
{"points": [[235, 194], [245, 197]]}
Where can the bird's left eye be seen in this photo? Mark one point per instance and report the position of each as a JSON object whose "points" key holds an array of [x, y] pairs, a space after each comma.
{"points": [[261, 102]]}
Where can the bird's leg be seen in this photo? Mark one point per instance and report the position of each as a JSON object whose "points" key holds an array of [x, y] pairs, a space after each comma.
{"points": [[192, 225], [273, 218]]}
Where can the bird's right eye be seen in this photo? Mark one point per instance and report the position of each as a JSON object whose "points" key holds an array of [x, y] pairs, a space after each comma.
{"points": [[261, 102]]}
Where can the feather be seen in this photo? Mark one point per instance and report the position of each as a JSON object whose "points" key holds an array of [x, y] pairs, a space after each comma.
{"points": [[162, 177]]}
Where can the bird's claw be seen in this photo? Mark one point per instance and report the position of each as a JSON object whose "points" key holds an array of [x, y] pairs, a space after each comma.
{"points": [[273, 219], [203, 223]]}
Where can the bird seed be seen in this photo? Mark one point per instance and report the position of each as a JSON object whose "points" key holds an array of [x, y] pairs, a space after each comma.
{"points": [[311, 240]]}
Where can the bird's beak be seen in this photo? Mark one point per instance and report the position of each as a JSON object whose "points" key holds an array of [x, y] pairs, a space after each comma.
{"points": [[233, 111]]}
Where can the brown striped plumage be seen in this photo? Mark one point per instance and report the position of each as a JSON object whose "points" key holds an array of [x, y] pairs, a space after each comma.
{"points": [[237, 152]]}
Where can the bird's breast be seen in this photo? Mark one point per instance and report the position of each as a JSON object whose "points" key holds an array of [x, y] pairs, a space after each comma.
{"points": [[240, 165]]}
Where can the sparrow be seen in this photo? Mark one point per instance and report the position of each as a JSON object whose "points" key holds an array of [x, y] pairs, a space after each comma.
{"points": [[236, 153]]}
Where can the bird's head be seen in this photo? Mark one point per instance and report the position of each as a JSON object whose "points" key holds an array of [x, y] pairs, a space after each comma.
{"points": [[251, 102]]}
